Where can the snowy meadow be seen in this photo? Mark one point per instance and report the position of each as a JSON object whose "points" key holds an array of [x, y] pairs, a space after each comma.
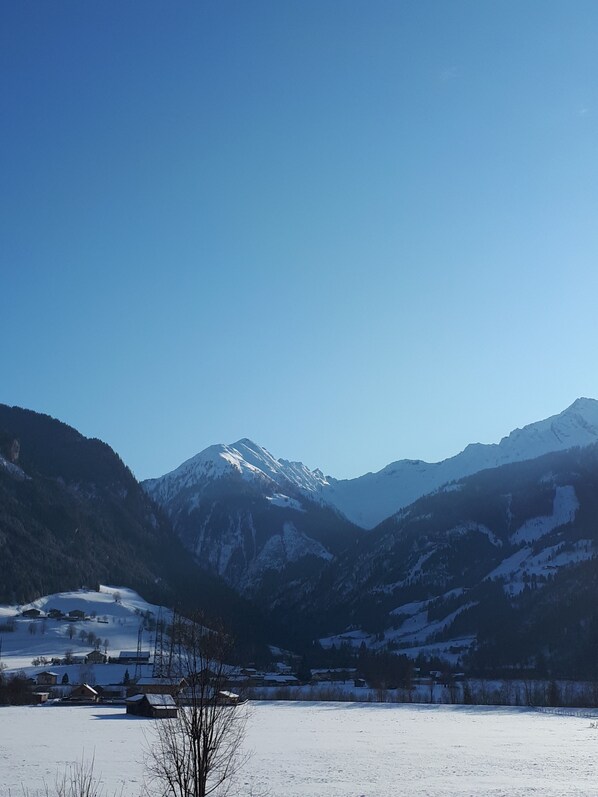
{"points": [[326, 750]]}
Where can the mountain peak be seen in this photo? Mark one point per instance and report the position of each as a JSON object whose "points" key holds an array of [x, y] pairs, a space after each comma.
{"points": [[583, 404], [245, 459], [245, 442], [371, 498]]}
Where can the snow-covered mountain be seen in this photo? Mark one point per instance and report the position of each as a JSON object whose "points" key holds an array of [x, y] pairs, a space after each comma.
{"points": [[500, 570], [254, 520], [244, 460], [369, 499], [269, 526]]}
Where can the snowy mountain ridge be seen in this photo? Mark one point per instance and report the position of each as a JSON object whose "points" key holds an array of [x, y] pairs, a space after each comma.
{"points": [[245, 460], [369, 499]]}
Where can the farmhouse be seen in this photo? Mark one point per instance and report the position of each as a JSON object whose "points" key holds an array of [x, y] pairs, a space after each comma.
{"points": [[334, 675], [154, 706], [95, 657], [84, 694], [32, 613], [47, 678], [112, 692]]}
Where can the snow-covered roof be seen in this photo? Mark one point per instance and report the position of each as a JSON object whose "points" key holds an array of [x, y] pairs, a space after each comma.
{"points": [[164, 701], [133, 654], [158, 681], [86, 687]]}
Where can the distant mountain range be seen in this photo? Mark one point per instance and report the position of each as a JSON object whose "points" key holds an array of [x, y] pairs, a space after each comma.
{"points": [[371, 498], [440, 557], [261, 522], [486, 558], [497, 570]]}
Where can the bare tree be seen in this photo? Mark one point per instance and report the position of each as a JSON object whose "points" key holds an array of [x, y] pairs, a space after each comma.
{"points": [[198, 752], [78, 780]]}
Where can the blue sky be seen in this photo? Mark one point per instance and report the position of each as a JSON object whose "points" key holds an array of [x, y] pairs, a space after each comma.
{"points": [[352, 231]]}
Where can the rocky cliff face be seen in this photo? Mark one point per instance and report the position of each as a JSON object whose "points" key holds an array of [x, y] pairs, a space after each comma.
{"points": [[249, 518], [10, 447]]}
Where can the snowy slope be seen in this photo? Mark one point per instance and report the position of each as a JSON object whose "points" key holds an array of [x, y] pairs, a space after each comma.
{"points": [[245, 460], [113, 614], [369, 499]]}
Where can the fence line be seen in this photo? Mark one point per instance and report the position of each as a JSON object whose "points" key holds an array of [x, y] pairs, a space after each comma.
{"points": [[569, 712]]}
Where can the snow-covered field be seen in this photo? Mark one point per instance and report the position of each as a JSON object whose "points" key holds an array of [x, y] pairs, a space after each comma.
{"points": [[328, 750]]}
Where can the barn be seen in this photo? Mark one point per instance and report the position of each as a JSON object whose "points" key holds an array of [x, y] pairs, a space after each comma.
{"points": [[152, 705]]}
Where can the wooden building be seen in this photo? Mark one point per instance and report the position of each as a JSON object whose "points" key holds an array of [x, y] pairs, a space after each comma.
{"points": [[47, 678], [153, 706], [133, 657], [84, 694], [96, 657]]}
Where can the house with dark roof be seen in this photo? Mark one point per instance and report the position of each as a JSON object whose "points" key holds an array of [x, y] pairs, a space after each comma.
{"points": [[133, 657]]}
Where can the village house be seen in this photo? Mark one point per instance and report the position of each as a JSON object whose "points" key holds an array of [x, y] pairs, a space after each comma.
{"points": [[31, 613], [76, 614], [95, 657], [246, 676], [334, 675], [112, 692], [47, 678], [84, 694]]}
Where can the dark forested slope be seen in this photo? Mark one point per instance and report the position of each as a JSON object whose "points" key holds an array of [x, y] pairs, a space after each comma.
{"points": [[72, 514]]}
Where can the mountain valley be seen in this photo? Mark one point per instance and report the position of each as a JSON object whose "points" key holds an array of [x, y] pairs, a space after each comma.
{"points": [[471, 561]]}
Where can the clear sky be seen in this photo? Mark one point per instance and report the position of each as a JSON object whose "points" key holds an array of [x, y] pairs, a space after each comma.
{"points": [[352, 231]]}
